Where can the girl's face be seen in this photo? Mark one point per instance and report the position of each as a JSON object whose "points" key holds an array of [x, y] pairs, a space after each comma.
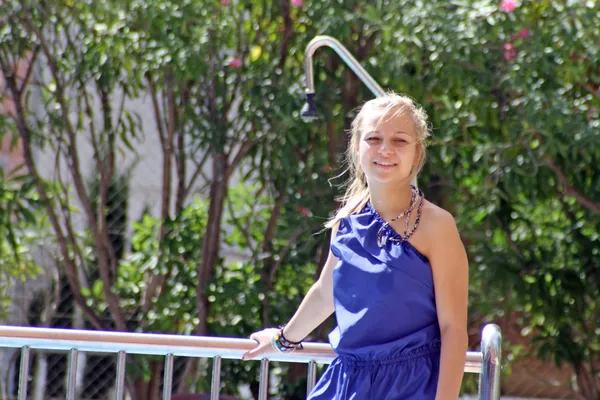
{"points": [[387, 147]]}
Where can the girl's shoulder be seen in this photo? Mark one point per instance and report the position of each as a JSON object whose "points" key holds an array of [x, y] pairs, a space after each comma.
{"points": [[435, 215], [436, 224]]}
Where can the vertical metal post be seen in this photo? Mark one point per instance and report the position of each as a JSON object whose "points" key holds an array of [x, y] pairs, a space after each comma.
{"points": [[263, 386], [168, 379], [491, 350], [24, 372], [311, 377], [121, 363], [72, 374], [215, 385]]}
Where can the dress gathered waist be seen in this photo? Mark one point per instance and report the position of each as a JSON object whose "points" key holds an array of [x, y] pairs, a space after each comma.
{"points": [[433, 347]]}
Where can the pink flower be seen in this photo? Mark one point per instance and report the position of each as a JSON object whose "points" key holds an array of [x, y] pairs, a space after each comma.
{"points": [[510, 52], [508, 5], [235, 62], [296, 3], [304, 211], [524, 33], [225, 3]]}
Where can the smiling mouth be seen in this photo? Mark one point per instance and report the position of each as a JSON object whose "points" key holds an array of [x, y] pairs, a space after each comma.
{"points": [[384, 164]]}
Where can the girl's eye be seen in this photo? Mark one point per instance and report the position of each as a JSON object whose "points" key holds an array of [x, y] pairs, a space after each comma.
{"points": [[372, 138], [401, 141]]}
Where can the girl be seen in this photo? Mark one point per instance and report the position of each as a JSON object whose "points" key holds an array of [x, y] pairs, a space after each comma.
{"points": [[396, 275]]}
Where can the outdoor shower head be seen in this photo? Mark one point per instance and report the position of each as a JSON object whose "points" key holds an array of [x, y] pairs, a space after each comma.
{"points": [[309, 111]]}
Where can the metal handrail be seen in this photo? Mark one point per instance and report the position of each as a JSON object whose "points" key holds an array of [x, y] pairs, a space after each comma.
{"points": [[486, 362]]}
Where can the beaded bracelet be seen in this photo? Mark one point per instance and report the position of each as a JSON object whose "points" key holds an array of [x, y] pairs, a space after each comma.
{"points": [[281, 344]]}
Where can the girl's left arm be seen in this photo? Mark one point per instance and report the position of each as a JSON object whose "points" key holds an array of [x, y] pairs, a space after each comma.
{"points": [[450, 268]]}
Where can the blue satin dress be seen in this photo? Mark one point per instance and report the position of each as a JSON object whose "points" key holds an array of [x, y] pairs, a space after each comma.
{"points": [[387, 336]]}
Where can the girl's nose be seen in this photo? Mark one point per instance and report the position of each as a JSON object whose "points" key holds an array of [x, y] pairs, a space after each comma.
{"points": [[384, 148]]}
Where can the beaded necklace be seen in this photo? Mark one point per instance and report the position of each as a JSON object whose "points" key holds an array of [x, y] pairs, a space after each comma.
{"points": [[382, 239]]}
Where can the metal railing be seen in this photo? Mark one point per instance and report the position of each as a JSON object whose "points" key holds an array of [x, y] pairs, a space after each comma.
{"points": [[486, 362]]}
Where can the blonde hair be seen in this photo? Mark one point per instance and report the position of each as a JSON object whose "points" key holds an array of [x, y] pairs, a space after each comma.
{"points": [[357, 191]]}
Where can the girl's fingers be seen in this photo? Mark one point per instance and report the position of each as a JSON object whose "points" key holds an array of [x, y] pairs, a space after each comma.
{"points": [[259, 350], [253, 353], [263, 341], [249, 354]]}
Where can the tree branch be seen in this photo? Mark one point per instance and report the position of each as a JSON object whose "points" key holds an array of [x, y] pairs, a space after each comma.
{"points": [[25, 134], [51, 303], [65, 209], [32, 60], [106, 177], [267, 248], [592, 90], [168, 148], [92, 128], [238, 225], [111, 299], [513, 245], [197, 172], [239, 133], [569, 189], [587, 263], [60, 97], [211, 241], [288, 31], [239, 156], [156, 281], [180, 154], [155, 106], [285, 251]]}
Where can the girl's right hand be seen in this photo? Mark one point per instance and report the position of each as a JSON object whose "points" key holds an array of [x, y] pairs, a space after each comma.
{"points": [[264, 346]]}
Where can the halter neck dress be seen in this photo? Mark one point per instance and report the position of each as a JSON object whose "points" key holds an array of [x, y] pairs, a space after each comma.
{"points": [[387, 337]]}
